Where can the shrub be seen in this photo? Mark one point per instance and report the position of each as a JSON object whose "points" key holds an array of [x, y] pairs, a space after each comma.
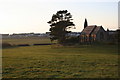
{"points": [[43, 44], [23, 45], [72, 40], [6, 45]]}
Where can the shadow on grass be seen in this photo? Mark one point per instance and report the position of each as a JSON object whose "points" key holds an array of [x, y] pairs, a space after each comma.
{"points": [[7, 45]]}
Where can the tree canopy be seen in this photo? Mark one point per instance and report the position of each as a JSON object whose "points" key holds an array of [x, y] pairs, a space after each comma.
{"points": [[60, 24]]}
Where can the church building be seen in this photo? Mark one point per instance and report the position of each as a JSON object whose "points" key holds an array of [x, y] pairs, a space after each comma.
{"points": [[93, 33]]}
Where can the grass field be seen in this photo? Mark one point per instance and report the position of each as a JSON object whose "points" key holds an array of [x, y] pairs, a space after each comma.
{"points": [[26, 40], [63, 62]]}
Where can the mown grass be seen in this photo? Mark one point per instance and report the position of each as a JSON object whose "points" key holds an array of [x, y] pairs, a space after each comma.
{"points": [[62, 62]]}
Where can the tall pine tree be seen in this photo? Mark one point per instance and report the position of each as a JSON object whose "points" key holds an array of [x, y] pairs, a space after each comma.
{"points": [[60, 23], [85, 23]]}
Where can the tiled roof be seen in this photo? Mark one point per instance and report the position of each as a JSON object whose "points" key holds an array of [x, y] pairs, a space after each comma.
{"points": [[88, 29], [93, 29], [96, 30]]}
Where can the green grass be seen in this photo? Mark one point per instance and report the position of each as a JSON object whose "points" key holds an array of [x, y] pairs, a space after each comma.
{"points": [[64, 62]]}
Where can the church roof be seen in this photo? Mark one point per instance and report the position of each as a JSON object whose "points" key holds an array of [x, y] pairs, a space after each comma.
{"points": [[96, 29], [92, 29]]}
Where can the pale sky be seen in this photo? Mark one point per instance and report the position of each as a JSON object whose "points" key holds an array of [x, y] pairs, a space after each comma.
{"points": [[24, 16]]}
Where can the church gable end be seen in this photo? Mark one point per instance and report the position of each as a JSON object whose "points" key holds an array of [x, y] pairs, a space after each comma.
{"points": [[93, 33]]}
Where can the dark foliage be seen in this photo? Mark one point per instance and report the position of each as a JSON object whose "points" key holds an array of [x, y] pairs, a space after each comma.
{"points": [[85, 23], [6, 45], [42, 44], [60, 23], [72, 40], [23, 45]]}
